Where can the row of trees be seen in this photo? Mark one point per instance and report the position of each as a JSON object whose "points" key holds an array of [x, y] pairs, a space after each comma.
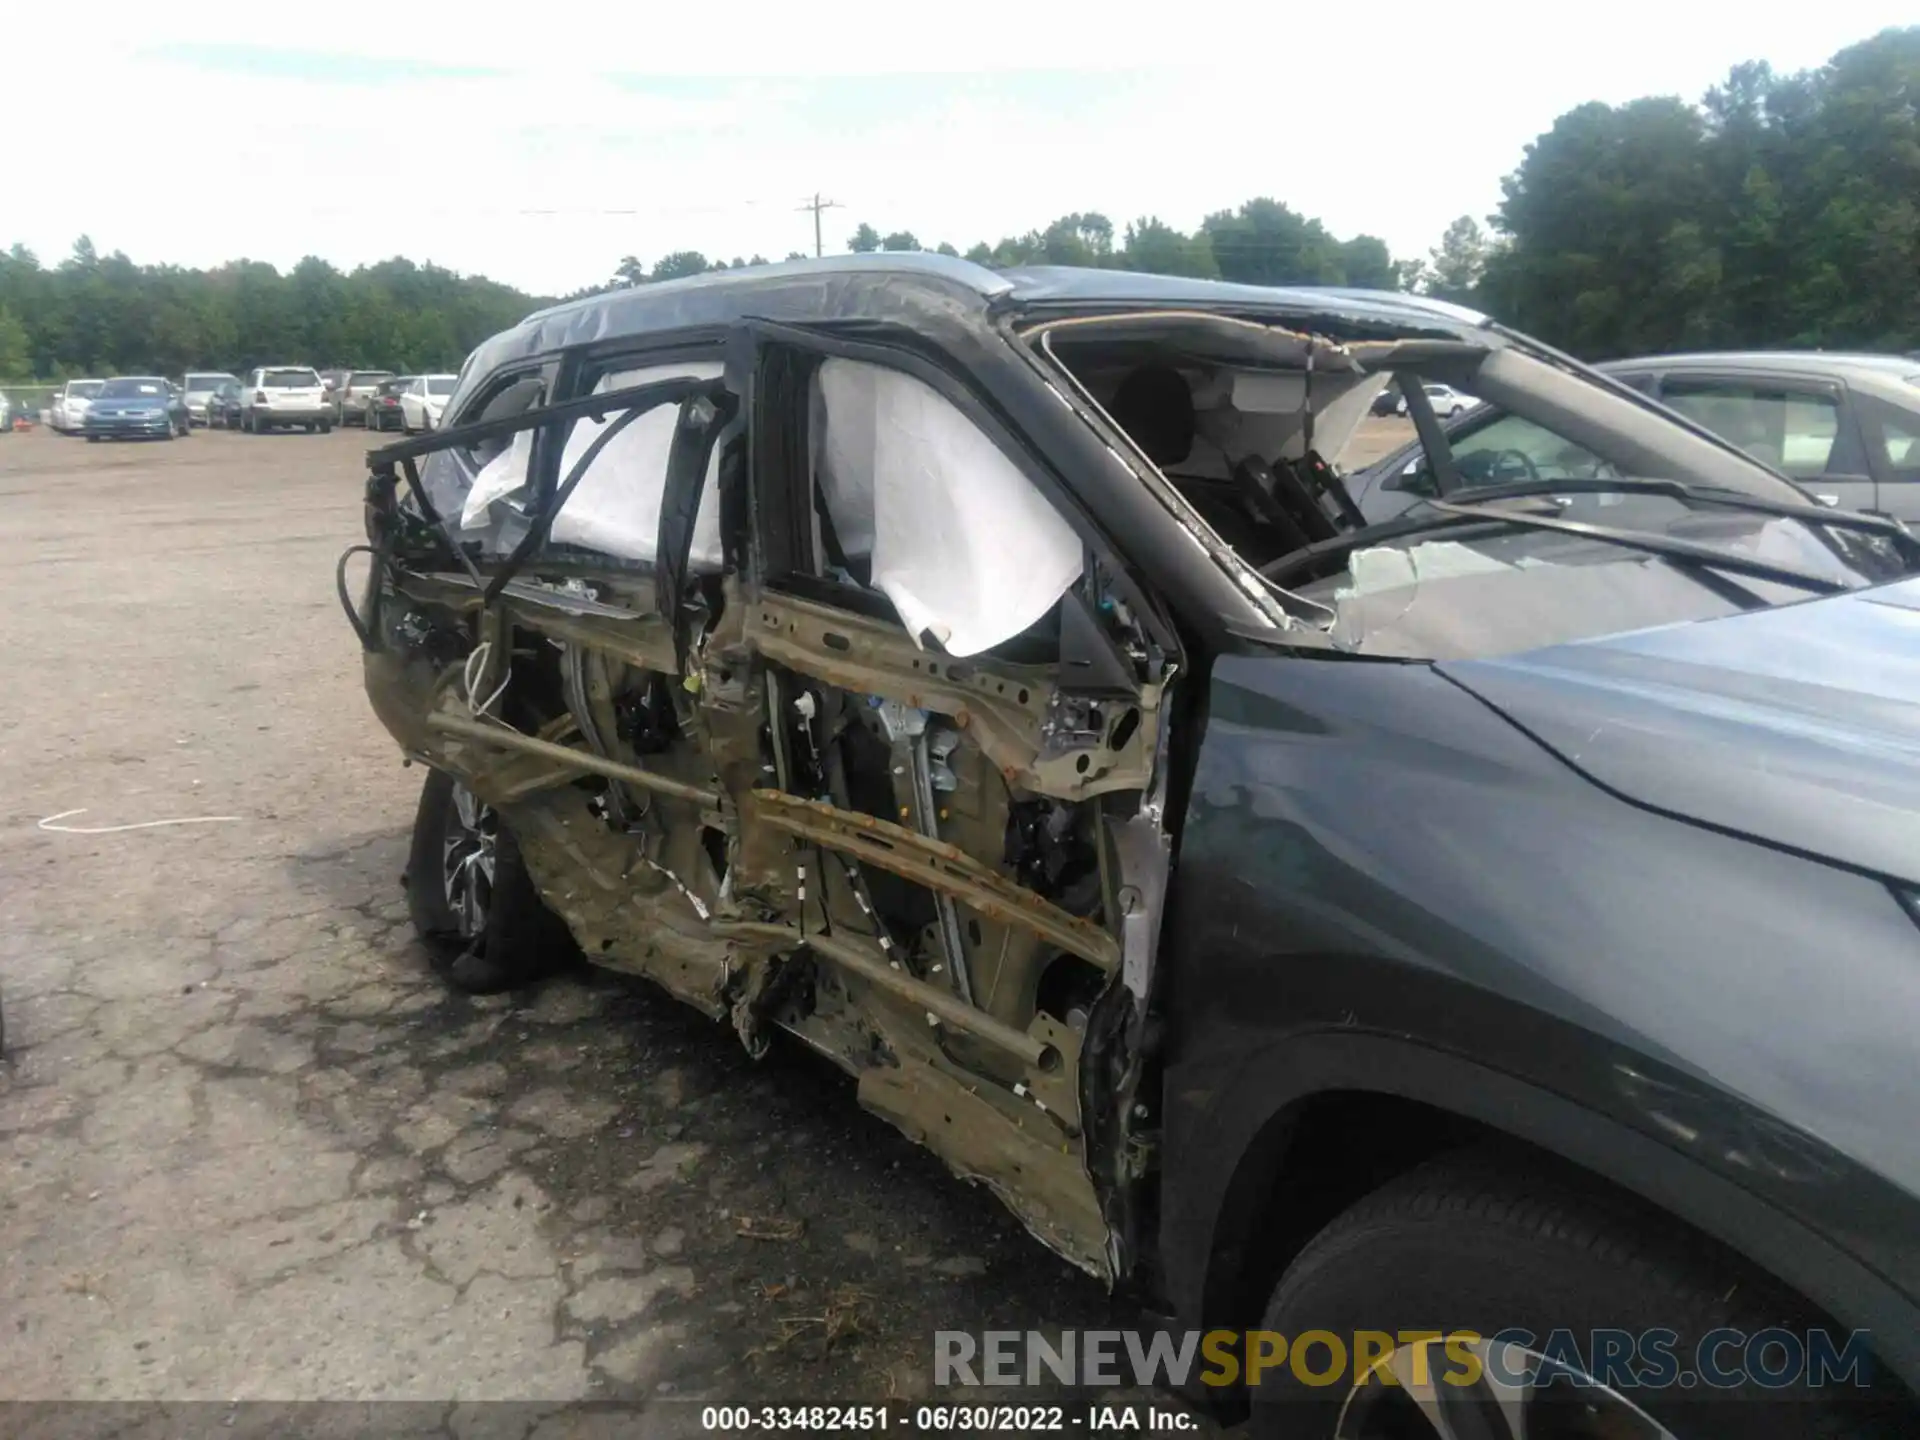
{"points": [[1781, 210], [96, 315], [1264, 242], [1784, 210]]}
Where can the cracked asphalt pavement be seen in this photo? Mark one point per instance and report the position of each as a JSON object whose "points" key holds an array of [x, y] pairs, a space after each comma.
{"points": [[250, 1149]]}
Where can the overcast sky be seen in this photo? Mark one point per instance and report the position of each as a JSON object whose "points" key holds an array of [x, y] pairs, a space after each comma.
{"points": [[542, 148]]}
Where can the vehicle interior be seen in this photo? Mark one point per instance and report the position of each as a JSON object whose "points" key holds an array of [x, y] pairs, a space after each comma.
{"points": [[1242, 419]]}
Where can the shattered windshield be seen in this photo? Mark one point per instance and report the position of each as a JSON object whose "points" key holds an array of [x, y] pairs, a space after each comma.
{"points": [[1484, 590]]}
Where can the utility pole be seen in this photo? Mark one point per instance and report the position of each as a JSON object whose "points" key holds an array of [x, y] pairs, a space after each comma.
{"points": [[816, 205]]}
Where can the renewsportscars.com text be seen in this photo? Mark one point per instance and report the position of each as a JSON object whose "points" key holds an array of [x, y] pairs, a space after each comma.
{"points": [[1775, 1359]]}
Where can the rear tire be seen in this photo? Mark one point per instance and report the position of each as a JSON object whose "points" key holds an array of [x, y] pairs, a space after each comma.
{"points": [[509, 938], [1486, 1242]]}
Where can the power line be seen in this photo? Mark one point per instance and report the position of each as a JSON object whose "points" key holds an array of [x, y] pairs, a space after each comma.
{"points": [[816, 205]]}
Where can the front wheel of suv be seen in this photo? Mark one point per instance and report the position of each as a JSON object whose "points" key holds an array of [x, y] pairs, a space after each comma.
{"points": [[471, 899], [1487, 1286]]}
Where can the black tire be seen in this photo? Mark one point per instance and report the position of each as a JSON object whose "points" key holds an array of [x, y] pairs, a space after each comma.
{"points": [[522, 941], [1484, 1242], [326, 427]]}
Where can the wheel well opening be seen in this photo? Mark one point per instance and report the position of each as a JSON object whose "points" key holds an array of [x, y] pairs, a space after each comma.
{"points": [[1311, 1162], [1320, 1157]]}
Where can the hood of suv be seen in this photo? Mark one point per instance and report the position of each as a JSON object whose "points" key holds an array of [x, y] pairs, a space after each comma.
{"points": [[1798, 726]]}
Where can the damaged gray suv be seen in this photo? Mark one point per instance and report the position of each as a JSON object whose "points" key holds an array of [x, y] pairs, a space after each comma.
{"points": [[1493, 932]]}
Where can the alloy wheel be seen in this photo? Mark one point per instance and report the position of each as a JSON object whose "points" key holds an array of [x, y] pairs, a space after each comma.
{"points": [[1428, 1391], [467, 861]]}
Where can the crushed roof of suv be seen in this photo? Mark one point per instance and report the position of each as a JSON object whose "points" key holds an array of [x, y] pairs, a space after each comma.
{"points": [[870, 286]]}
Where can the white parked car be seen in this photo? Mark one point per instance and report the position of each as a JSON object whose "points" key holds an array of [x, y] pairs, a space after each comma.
{"points": [[284, 395], [1447, 402], [424, 401], [6, 414], [70, 402], [198, 387]]}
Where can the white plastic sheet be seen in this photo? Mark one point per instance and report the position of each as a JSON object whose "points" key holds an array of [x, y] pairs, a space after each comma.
{"points": [[616, 506], [959, 539]]}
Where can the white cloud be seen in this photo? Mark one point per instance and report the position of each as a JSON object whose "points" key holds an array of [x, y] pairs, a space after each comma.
{"points": [[1388, 119]]}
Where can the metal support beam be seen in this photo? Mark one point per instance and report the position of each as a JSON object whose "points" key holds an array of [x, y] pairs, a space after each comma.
{"points": [[577, 759]]}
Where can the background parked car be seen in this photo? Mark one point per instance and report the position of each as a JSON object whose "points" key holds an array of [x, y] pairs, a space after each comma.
{"points": [[350, 391], [1447, 402], [277, 396], [384, 410], [70, 405], [223, 406], [197, 386], [1846, 427], [424, 401], [137, 407]]}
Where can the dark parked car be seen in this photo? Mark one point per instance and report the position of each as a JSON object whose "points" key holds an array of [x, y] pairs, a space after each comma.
{"points": [[197, 386], [1504, 922], [383, 405], [136, 407], [351, 390], [1845, 427], [223, 406]]}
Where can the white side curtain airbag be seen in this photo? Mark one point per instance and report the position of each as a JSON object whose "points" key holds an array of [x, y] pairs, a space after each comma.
{"points": [[615, 508], [960, 540]]}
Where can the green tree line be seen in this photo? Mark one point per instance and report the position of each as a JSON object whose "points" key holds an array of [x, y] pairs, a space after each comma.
{"points": [[1780, 210], [1783, 210], [1264, 242], [105, 315]]}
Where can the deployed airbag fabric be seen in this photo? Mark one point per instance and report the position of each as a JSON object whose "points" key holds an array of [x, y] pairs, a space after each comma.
{"points": [[616, 507], [958, 537]]}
